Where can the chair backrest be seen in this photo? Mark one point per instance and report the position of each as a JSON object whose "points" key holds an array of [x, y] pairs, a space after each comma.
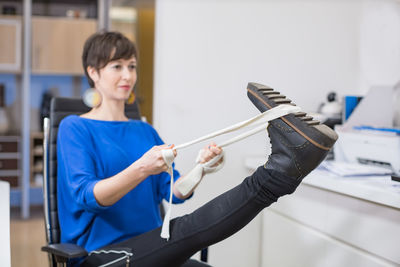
{"points": [[59, 109]]}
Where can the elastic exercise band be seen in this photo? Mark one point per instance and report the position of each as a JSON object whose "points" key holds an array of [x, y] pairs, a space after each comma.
{"points": [[259, 122]]}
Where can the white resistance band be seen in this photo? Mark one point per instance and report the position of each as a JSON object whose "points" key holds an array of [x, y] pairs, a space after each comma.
{"points": [[259, 122]]}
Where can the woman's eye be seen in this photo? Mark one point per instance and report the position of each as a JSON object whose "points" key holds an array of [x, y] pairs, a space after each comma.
{"points": [[132, 67], [117, 67]]}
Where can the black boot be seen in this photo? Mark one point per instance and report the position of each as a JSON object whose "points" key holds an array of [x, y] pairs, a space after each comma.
{"points": [[299, 143]]}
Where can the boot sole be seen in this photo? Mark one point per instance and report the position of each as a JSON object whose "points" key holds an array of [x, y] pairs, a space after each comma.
{"points": [[265, 98]]}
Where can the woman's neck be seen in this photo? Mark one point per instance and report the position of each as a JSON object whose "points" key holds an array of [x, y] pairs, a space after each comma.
{"points": [[108, 111]]}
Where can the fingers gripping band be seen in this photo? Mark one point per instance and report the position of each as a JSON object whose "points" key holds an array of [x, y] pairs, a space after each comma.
{"points": [[168, 156], [208, 167], [193, 178]]}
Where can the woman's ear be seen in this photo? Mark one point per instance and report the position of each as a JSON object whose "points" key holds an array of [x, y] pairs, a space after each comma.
{"points": [[93, 74]]}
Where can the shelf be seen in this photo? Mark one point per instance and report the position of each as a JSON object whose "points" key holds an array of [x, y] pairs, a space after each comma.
{"points": [[9, 138], [55, 8], [10, 155], [36, 176], [4, 173], [38, 150]]}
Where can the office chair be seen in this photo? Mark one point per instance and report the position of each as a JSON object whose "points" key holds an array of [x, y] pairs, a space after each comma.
{"points": [[60, 253]]}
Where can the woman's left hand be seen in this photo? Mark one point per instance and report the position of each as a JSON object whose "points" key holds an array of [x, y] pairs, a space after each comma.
{"points": [[209, 152], [191, 182]]}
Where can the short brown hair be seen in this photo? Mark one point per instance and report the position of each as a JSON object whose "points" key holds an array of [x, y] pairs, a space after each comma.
{"points": [[103, 47]]}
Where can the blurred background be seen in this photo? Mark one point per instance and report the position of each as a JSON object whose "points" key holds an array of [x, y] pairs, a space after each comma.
{"points": [[195, 60]]}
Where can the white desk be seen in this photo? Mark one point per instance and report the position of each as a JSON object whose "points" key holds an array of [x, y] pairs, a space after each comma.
{"points": [[5, 258], [378, 189]]}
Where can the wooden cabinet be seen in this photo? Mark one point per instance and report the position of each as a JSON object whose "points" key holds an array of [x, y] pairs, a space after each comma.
{"points": [[10, 43], [57, 44], [10, 159]]}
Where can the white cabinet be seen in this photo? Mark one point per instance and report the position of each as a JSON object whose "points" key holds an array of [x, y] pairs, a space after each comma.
{"points": [[324, 228], [290, 243]]}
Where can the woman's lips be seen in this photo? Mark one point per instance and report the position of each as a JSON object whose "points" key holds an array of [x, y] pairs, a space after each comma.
{"points": [[125, 87]]}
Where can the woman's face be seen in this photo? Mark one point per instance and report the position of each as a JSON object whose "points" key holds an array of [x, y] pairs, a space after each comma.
{"points": [[116, 80]]}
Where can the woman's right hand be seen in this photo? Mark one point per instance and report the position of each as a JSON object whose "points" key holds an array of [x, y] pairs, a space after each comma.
{"points": [[108, 191], [152, 162]]}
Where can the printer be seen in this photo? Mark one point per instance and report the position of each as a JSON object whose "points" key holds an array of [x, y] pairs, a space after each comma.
{"points": [[368, 147], [364, 138]]}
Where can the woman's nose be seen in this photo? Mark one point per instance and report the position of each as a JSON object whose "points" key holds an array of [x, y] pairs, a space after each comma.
{"points": [[126, 73]]}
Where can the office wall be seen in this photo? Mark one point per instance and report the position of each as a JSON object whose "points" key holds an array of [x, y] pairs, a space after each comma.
{"points": [[379, 44], [206, 52]]}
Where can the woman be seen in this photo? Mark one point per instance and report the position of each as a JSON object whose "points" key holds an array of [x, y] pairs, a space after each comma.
{"points": [[112, 175]]}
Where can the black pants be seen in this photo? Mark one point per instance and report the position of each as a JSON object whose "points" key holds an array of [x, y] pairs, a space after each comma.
{"points": [[216, 220]]}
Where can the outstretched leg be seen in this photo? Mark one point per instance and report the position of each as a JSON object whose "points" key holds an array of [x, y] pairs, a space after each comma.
{"points": [[299, 144]]}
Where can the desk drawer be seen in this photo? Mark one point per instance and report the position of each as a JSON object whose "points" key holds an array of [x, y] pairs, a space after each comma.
{"points": [[8, 146], [8, 164]]}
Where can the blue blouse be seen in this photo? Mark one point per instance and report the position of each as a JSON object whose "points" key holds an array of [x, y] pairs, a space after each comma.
{"points": [[91, 150]]}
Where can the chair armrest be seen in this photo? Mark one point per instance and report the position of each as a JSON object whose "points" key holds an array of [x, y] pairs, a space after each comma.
{"points": [[65, 250]]}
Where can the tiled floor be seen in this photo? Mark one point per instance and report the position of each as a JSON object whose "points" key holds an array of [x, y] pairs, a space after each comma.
{"points": [[27, 237]]}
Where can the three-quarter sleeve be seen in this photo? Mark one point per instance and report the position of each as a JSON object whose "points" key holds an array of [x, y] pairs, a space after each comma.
{"points": [[77, 172]]}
